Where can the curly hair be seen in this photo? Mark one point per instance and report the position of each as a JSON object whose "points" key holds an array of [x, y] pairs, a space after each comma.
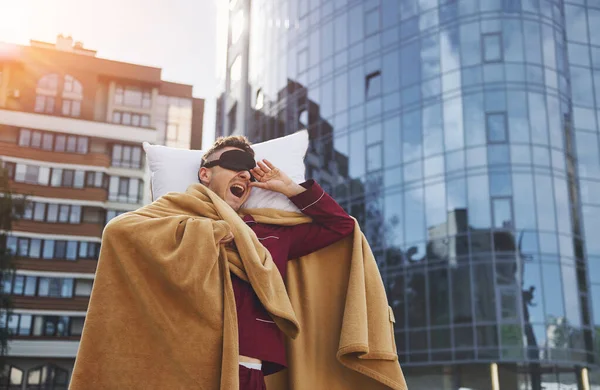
{"points": [[236, 141]]}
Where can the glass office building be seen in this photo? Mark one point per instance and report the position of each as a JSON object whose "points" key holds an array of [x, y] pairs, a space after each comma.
{"points": [[463, 135]]}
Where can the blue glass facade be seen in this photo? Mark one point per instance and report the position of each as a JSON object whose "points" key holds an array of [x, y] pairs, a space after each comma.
{"points": [[463, 135]]}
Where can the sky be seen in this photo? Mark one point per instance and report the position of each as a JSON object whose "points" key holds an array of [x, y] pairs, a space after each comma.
{"points": [[179, 36]]}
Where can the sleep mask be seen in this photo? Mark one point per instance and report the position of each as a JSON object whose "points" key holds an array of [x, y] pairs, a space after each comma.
{"points": [[234, 160]]}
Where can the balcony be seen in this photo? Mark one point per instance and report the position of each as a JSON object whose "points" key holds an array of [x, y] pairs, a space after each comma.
{"points": [[50, 303], [43, 348], [80, 229], [92, 194], [52, 265], [91, 159], [66, 125]]}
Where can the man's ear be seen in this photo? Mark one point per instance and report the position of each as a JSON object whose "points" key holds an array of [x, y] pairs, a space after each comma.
{"points": [[204, 175]]}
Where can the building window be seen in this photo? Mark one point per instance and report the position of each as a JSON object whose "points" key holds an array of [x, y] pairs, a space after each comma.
{"points": [[67, 179], [71, 108], [11, 378], [119, 95], [131, 119], [10, 169], [71, 144], [36, 140], [125, 189], [77, 324], [374, 157], [47, 377], [47, 89], [24, 137], [44, 104], [127, 156], [55, 287], [95, 180], [39, 212], [302, 61], [72, 97], [172, 132], [60, 144], [302, 8], [496, 127], [47, 141], [63, 213], [43, 140], [373, 85], [72, 85], [55, 177], [39, 286], [31, 174], [82, 145], [502, 213], [372, 22], [132, 97], [508, 303], [110, 214], [492, 47], [38, 325], [48, 83]]}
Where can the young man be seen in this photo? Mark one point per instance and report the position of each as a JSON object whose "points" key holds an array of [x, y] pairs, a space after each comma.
{"points": [[228, 169]]}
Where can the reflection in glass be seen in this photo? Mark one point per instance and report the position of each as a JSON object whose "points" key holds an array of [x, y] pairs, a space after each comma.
{"points": [[492, 48]]}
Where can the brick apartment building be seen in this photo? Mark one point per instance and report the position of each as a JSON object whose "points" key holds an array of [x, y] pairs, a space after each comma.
{"points": [[71, 128]]}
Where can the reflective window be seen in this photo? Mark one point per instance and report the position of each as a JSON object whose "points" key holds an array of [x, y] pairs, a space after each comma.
{"points": [[373, 85], [546, 212], [500, 184], [414, 214], [474, 119], [533, 42], [478, 201], [502, 213], [374, 157], [372, 21], [553, 297], [525, 217], [492, 47], [496, 127]]}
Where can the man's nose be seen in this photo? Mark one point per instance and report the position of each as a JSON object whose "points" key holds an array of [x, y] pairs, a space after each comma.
{"points": [[245, 175]]}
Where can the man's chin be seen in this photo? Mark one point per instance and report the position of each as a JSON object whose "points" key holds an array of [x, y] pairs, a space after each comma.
{"points": [[234, 203]]}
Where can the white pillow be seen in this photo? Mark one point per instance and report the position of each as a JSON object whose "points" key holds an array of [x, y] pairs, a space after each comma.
{"points": [[173, 170]]}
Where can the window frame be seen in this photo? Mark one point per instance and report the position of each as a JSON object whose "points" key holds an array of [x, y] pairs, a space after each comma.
{"points": [[369, 12], [488, 116], [484, 38], [376, 75]]}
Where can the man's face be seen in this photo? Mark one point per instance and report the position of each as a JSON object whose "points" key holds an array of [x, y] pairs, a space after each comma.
{"points": [[233, 187]]}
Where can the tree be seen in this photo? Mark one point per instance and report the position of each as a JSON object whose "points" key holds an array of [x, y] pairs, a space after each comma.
{"points": [[11, 207]]}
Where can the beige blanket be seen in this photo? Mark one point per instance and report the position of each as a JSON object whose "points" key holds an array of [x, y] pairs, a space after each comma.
{"points": [[162, 310]]}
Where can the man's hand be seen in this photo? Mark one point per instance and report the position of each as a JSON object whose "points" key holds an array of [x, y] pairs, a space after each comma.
{"points": [[271, 178]]}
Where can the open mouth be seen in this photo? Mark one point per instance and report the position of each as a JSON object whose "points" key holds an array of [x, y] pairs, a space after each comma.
{"points": [[237, 190]]}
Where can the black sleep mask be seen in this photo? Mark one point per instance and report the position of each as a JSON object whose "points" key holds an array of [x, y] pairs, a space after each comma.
{"points": [[234, 160]]}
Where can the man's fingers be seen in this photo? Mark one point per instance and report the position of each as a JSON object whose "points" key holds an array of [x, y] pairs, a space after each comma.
{"points": [[264, 166], [268, 163], [257, 172]]}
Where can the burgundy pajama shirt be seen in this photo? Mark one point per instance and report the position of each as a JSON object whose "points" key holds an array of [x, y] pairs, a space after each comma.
{"points": [[259, 337]]}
